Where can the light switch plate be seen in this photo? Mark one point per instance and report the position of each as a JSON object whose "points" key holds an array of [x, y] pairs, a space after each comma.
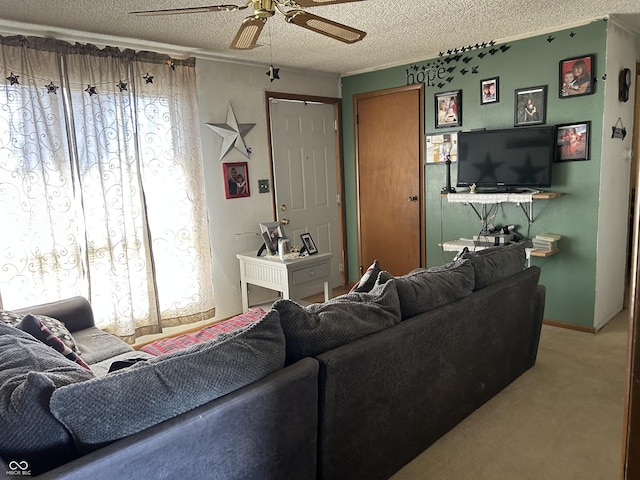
{"points": [[263, 186]]}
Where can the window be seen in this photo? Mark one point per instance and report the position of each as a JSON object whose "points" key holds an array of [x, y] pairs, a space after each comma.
{"points": [[101, 185]]}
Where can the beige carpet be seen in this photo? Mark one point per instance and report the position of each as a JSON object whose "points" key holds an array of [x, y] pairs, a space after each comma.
{"points": [[561, 420]]}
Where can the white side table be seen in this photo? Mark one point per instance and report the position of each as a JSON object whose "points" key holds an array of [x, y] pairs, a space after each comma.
{"points": [[296, 277]]}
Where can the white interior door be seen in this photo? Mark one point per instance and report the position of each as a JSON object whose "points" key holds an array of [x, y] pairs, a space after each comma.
{"points": [[305, 177]]}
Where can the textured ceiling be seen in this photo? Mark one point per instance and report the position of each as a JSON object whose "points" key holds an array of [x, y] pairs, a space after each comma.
{"points": [[398, 31]]}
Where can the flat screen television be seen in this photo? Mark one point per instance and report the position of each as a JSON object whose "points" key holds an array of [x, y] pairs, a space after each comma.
{"points": [[506, 160]]}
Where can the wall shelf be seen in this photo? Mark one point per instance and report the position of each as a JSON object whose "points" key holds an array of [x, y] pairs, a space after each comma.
{"points": [[536, 252], [546, 195], [457, 245], [534, 195], [524, 200]]}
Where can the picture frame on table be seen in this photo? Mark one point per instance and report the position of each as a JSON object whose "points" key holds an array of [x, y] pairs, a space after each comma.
{"points": [[489, 90], [308, 243], [530, 106], [448, 109], [572, 141], [576, 76], [271, 232], [236, 179]]}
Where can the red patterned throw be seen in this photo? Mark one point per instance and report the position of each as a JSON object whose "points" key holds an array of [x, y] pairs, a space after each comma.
{"points": [[229, 326]]}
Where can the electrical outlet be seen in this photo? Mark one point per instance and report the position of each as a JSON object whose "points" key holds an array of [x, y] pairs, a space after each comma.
{"points": [[263, 186]]}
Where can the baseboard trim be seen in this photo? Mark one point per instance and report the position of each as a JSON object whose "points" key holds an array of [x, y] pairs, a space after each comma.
{"points": [[569, 326]]}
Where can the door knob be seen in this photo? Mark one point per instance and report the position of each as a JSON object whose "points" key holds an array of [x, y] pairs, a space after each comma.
{"points": [[413, 198], [285, 221]]}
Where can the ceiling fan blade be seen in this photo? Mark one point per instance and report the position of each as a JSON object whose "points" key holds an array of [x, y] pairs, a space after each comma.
{"points": [[324, 26], [315, 3], [210, 8], [248, 34]]}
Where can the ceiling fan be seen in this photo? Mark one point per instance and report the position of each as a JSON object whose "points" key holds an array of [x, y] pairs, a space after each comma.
{"points": [[249, 31]]}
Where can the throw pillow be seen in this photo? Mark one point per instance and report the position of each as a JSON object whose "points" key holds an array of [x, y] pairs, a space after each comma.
{"points": [[29, 372], [55, 326], [127, 401], [368, 280], [497, 263], [425, 290], [10, 318], [318, 328], [39, 330], [231, 325]]}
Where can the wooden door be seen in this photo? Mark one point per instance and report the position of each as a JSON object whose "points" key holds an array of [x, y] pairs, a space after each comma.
{"points": [[303, 138], [389, 142]]}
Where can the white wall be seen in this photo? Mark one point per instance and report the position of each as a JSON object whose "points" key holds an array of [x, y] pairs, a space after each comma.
{"points": [[244, 86], [614, 179]]}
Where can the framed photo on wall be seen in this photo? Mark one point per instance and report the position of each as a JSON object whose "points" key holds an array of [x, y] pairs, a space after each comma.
{"points": [[236, 179], [530, 106], [438, 146], [448, 108], [576, 76], [489, 92], [572, 141]]}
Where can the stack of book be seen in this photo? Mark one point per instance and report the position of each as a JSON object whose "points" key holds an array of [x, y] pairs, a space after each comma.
{"points": [[546, 241]]}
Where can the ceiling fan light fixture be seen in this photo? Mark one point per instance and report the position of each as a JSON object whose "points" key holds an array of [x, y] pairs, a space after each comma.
{"points": [[324, 26], [248, 34]]}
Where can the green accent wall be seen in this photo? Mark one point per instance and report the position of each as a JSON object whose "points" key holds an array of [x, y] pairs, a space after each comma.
{"points": [[568, 276]]}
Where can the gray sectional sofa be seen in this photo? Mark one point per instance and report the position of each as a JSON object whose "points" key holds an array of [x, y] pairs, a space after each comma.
{"points": [[353, 388]]}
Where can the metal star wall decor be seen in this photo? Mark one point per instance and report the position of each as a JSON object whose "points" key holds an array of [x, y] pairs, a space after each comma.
{"points": [[13, 79], [232, 134], [274, 73], [51, 88]]}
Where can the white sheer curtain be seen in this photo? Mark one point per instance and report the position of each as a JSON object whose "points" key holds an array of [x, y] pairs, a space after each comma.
{"points": [[101, 181]]}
